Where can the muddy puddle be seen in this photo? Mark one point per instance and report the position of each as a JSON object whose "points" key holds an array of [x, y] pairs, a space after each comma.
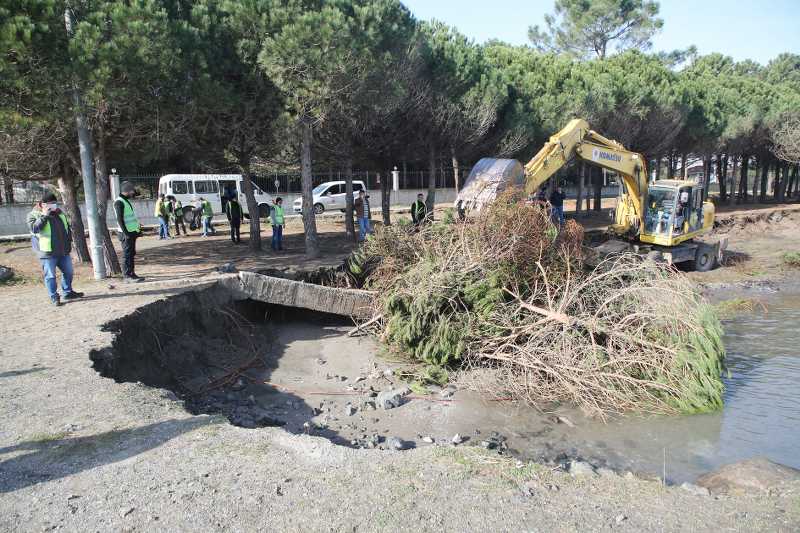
{"points": [[264, 365]]}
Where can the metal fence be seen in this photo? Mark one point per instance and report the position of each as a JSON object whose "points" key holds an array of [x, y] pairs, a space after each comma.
{"points": [[290, 182]]}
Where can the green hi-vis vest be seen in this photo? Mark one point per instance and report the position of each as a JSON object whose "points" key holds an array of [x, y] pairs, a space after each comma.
{"points": [[278, 214], [207, 211], [129, 216], [45, 235]]}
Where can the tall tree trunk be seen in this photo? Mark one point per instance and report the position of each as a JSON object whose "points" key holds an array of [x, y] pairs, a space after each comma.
{"points": [[762, 193], [706, 175], [793, 185], [744, 170], [431, 199], [8, 189], [69, 195], [684, 170], [349, 225], [780, 189], [386, 198], [598, 188], [309, 219], [456, 168], [579, 195], [732, 179], [250, 198], [658, 167], [671, 164], [103, 194], [721, 179]]}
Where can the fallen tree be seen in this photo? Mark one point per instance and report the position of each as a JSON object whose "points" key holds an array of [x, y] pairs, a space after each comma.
{"points": [[509, 294]]}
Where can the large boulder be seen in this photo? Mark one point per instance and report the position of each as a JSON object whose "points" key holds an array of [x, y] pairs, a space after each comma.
{"points": [[753, 475], [5, 273]]}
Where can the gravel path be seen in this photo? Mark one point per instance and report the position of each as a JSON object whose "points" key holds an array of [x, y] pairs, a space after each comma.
{"points": [[79, 452]]}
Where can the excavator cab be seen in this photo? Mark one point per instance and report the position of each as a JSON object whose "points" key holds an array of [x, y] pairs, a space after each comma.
{"points": [[674, 212]]}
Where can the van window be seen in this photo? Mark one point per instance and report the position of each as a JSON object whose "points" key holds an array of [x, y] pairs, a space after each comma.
{"points": [[357, 187], [179, 187], [336, 189], [205, 186]]}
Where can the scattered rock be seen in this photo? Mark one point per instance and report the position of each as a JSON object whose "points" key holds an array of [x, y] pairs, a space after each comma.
{"points": [[457, 439], [349, 410], [753, 475], [227, 268], [566, 421], [620, 518], [369, 406], [428, 440], [6, 273], [388, 372], [488, 444], [448, 392], [395, 444], [359, 379], [391, 398], [320, 361], [581, 469], [696, 490]]}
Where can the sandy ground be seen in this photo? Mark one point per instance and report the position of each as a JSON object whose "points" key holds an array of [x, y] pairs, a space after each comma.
{"points": [[81, 452]]}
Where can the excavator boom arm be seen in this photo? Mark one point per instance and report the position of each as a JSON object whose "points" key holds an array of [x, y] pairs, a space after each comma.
{"points": [[577, 140]]}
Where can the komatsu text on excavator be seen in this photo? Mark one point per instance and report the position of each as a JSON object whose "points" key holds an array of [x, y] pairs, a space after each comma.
{"points": [[662, 218]]}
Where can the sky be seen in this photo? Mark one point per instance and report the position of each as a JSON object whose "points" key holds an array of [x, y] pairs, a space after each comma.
{"points": [[743, 29]]}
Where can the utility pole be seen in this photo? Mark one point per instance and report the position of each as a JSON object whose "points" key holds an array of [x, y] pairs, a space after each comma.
{"points": [[87, 171]]}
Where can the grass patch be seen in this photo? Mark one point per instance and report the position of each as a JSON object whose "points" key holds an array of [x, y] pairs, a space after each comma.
{"points": [[736, 306], [791, 259], [42, 438]]}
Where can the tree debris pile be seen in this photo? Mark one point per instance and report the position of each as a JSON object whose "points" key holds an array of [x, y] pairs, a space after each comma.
{"points": [[509, 293]]}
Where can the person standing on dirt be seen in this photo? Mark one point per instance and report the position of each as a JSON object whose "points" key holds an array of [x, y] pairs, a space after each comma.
{"points": [[418, 210], [278, 223], [162, 214], [557, 204], [362, 213], [233, 210], [129, 230], [51, 238], [176, 214], [208, 215]]}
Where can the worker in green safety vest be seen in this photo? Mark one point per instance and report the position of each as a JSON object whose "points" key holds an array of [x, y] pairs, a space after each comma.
{"points": [[208, 215], [129, 230], [51, 238], [176, 214], [278, 223]]}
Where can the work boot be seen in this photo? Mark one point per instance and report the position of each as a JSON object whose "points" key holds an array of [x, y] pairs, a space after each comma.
{"points": [[72, 295], [132, 279], [56, 301]]}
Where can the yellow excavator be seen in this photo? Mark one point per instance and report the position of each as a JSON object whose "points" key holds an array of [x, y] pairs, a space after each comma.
{"points": [[661, 219]]}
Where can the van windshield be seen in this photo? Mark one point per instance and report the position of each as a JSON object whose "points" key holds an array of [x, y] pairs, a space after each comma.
{"points": [[319, 189]]}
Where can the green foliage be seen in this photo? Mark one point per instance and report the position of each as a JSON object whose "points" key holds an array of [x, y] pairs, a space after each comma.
{"points": [[701, 359], [449, 216], [588, 27], [734, 306], [791, 259]]}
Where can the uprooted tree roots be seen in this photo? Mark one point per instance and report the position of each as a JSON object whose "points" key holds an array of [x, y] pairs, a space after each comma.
{"points": [[509, 294]]}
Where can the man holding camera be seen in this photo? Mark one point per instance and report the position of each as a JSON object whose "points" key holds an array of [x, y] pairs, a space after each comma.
{"points": [[51, 238]]}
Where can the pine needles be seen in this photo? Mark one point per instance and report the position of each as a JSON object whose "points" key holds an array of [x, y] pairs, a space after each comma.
{"points": [[508, 294]]}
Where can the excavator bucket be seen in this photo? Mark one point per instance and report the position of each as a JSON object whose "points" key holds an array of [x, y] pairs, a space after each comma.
{"points": [[489, 178]]}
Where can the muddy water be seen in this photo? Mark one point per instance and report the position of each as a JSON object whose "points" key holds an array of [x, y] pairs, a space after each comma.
{"points": [[761, 416]]}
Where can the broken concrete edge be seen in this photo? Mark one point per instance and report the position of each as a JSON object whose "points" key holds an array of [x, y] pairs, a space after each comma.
{"points": [[354, 303]]}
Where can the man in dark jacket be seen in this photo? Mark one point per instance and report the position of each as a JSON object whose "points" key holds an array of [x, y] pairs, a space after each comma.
{"points": [[418, 210], [557, 203], [233, 210], [361, 206], [129, 230], [51, 238]]}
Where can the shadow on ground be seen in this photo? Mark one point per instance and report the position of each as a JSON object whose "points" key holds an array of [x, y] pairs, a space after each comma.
{"points": [[51, 457]]}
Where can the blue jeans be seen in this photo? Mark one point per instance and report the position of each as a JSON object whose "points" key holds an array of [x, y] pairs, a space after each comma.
{"points": [[558, 215], [163, 228], [363, 228], [277, 238], [207, 226], [49, 265]]}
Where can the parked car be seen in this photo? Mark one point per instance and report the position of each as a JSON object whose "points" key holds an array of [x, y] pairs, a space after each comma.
{"points": [[216, 188], [329, 196]]}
